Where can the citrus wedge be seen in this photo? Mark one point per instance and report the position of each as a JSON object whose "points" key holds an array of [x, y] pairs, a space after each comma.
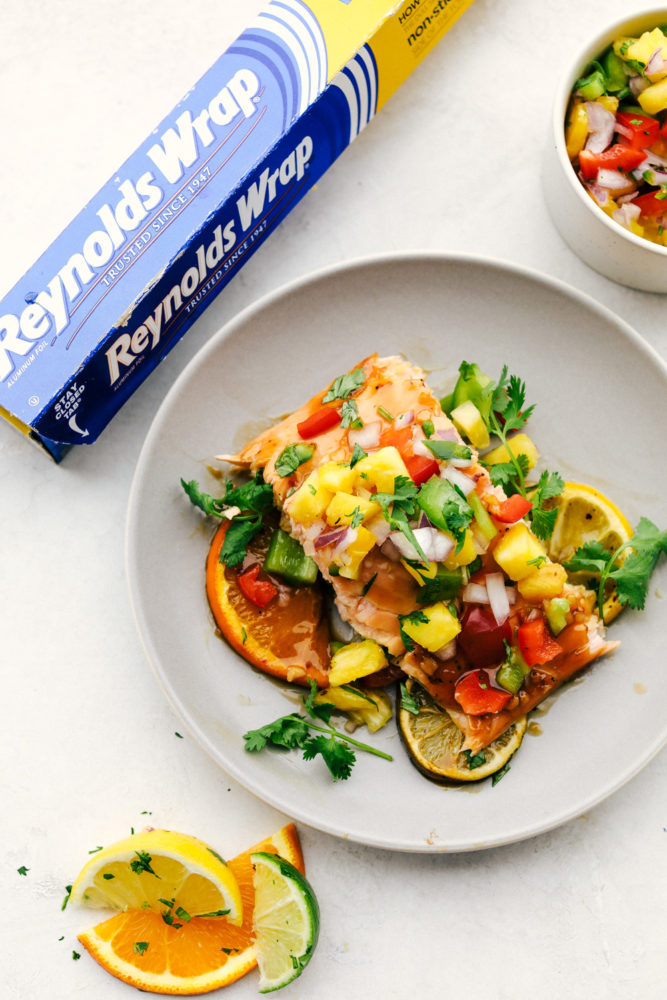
{"points": [[434, 742], [202, 954], [149, 868], [286, 921], [289, 638], [586, 515]]}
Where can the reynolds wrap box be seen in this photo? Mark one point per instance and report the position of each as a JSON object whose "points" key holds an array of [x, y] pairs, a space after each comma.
{"points": [[111, 296]]}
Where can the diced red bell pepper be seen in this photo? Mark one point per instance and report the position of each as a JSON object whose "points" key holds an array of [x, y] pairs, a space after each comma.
{"points": [[476, 696], [421, 468], [398, 439], [644, 129], [512, 510], [318, 422], [618, 157], [536, 644], [258, 590], [650, 204]]}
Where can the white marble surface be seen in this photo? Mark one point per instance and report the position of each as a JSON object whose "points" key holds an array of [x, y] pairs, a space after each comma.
{"points": [[89, 745]]}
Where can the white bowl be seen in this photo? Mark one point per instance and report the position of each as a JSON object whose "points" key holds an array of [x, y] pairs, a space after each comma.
{"points": [[600, 242]]}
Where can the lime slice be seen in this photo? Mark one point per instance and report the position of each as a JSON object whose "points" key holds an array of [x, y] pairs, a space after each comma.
{"points": [[434, 742], [286, 921]]}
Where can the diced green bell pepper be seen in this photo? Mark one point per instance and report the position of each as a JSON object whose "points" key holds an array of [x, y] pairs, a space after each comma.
{"points": [[556, 611], [592, 86], [484, 522], [513, 671], [286, 558], [470, 384]]}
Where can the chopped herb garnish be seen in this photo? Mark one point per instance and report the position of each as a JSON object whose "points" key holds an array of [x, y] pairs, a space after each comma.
{"points": [[179, 735], [76, 956], [96, 849], [291, 732], [357, 454], [184, 915], [244, 635], [344, 385], [500, 774], [213, 913], [428, 428], [142, 863], [367, 586], [350, 415], [537, 561], [139, 947], [357, 517], [631, 577], [68, 893], [414, 618], [408, 701], [107, 876], [445, 450], [475, 760], [291, 457], [385, 413], [228, 951], [23, 870]]}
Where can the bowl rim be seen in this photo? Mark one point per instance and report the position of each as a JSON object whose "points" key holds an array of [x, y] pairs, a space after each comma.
{"points": [[642, 20]]}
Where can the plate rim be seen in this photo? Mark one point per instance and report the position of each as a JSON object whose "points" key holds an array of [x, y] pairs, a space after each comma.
{"points": [[240, 318]]}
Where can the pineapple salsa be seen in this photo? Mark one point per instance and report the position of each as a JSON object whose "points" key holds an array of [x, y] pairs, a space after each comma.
{"points": [[616, 133], [388, 537]]}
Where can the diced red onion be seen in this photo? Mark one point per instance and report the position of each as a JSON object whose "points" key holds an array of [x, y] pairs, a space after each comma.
{"points": [[446, 652], [421, 448], [379, 527], [500, 605], [366, 437], [656, 64], [465, 483], [637, 84], [475, 593], [653, 160], [612, 180], [626, 214], [600, 125], [447, 434], [424, 521], [511, 595], [329, 537], [404, 420], [435, 545], [624, 198], [601, 195], [624, 130]]}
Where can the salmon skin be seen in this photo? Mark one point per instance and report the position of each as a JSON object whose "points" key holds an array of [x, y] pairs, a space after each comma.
{"points": [[391, 408]]}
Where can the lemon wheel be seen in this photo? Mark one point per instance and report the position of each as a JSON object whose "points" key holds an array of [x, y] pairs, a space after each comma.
{"points": [[434, 742], [586, 515]]}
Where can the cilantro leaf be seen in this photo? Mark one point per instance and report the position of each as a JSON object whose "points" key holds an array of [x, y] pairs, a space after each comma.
{"points": [[414, 618], [338, 757], [291, 457], [474, 760], [344, 385], [288, 732], [211, 506], [505, 473], [408, 701], [549, 485], [350, 414], [255, 495], [238, 536], [444, 450], [592, 557], [357, 454]]}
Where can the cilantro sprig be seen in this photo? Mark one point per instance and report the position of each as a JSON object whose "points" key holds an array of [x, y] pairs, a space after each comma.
{"points": [[631, 577], [344, 385], [248, 504], [293, 732], [399, 508]]}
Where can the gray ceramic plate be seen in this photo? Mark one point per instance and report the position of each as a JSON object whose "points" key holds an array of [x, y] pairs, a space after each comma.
{"points": [[601, 412]]}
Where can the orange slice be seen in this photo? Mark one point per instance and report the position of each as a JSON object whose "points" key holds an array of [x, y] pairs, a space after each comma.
{"points": [[289, 638], [202, 954]]}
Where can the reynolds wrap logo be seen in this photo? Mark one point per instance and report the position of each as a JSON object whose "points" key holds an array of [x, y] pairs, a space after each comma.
{"points": [[48, 313]]}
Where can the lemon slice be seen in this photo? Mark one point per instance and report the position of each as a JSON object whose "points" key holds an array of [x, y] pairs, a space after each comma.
{"points": [[434, 742], [286, 921], [586, 515], [171, 872]]}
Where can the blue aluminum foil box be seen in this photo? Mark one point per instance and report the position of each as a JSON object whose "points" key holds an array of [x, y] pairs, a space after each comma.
{"points": [[120, 286]]}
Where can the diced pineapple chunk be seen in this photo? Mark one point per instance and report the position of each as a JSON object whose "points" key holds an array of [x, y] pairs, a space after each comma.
{"points": [[356, 659], [440, 627], [467, 554], [337, 476], [516, 550], [654, 98], [543, 583], [355, 552], [345, 507], [469, 421], [310, 501], [576, 129], [343, 698], [374, 716], [381, 469], [642, 48], [520, 444]]}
